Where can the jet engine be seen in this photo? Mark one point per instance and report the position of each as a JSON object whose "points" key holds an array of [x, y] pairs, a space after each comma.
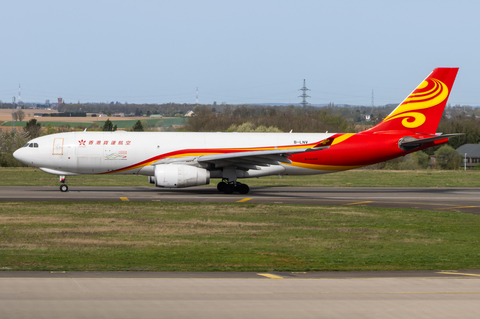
{"points": [[178, 176]]}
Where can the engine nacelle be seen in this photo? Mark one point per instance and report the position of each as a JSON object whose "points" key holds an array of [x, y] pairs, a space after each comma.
{"points": [[178, 176]]}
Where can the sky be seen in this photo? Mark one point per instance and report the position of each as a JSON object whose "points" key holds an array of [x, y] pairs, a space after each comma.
{"points": [[236, 51]]}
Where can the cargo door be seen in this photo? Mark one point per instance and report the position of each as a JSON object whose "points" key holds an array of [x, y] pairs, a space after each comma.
{"points": [[61, 158], [58, 146]]}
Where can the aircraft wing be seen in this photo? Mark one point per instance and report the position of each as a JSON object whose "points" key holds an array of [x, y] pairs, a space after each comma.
{"points": [[242, 159], [247, 159], [252, 159]]}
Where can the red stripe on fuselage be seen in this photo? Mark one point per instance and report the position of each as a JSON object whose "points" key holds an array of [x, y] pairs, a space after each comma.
{"points": [[361, 150], [203, 151], [358, 150]]}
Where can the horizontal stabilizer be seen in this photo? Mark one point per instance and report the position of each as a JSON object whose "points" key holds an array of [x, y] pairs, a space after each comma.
{"points": [[409, 143]]}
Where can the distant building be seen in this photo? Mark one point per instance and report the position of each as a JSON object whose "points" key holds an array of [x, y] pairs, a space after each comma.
{"points": [[119, 115], [190, 114], [473, 154], [366, 117], [432, 161]]}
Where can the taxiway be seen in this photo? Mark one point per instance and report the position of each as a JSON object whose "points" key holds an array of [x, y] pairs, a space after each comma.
{"points": [[442, 199], [408, 294]]}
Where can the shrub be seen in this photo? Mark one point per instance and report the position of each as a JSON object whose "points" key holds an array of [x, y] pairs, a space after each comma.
{"points": [[448, 158], [9, 143]]}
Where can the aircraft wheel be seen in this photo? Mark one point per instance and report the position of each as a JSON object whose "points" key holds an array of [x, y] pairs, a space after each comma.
{"points": [[221, 186], [243, 188], [229, 188], [63, 188]]}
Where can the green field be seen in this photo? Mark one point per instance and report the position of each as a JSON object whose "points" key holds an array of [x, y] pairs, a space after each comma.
{"points": [[120, 123], [166, 122], [11, 176], [161, 236], [54, 123]]}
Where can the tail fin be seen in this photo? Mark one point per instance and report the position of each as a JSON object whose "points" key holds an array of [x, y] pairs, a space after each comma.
{"points": [[421, 111]]}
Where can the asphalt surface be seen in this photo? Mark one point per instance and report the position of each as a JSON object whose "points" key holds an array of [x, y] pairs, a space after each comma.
{"points": [[137, 294], [465, 200], [440, 274], [434, 294]]}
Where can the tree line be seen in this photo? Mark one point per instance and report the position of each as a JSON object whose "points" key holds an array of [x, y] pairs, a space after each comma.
{"points": [[284, 119], [167, 109], [245, 118], [309, 119]]}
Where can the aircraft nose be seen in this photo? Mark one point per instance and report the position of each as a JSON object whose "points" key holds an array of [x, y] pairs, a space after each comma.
{"points": [[19, 156]]}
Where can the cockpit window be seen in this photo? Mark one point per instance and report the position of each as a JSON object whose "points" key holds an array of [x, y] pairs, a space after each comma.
{"points": [[26, 145], [31, 145], [35, 144]]}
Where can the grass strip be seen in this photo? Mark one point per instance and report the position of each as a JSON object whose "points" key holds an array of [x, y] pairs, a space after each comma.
{"points": [[162, 236], [27, 176]]}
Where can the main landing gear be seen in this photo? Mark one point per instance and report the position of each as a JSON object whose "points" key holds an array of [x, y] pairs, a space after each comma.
{"points": [[63, 187], [229, 187]]}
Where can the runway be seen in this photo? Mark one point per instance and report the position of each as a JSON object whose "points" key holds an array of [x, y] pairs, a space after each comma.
{"points": [[409, 294], [465, 200], [382, 294]]}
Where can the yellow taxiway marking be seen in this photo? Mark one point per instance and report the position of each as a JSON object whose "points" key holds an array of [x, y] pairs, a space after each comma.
{"points": [[270, 276], [58, 272], [243, 200], [457, 273], [359, 203], [124, 199], [459, 207]]}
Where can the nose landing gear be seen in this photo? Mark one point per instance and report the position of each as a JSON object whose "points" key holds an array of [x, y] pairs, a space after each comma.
{"points": [[229, 187], [63, 187]]}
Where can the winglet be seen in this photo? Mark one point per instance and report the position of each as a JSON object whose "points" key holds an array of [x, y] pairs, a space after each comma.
{"points": [[325, 142]]}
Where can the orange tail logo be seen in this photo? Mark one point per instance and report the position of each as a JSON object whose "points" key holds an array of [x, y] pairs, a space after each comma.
{"points": [[428, 94], [423, 106]]}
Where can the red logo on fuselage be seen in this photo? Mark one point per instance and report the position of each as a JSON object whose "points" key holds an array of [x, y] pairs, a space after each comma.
{"points": [[92, 142]]}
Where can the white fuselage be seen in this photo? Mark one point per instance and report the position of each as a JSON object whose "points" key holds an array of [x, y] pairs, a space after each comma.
{"points": [[123, 152]]}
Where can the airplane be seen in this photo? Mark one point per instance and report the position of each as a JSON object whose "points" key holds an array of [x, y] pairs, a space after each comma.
{"points": [[185, 159]]}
